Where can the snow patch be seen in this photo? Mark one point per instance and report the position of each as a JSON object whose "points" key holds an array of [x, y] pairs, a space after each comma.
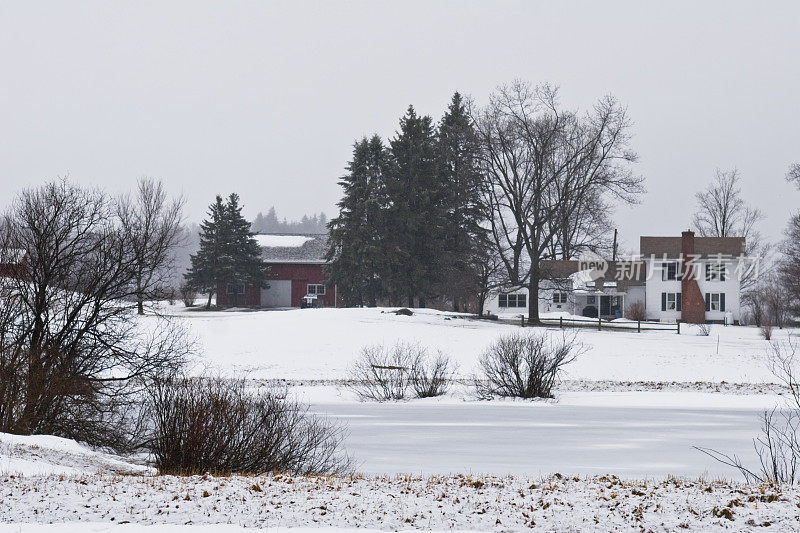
{"points": [[282, 241]]}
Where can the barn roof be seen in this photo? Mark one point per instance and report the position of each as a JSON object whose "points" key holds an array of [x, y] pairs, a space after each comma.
{"points": [[306, 248]]}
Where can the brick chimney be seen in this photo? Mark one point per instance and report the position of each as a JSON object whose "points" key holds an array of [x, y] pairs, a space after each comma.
{"points": [[693, 305]]}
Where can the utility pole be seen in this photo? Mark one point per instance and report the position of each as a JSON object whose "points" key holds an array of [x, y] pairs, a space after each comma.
{"points": [[614, 249]]}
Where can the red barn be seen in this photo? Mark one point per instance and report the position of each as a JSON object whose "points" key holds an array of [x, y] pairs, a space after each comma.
{"points": [[296, 277], [13, 263]]}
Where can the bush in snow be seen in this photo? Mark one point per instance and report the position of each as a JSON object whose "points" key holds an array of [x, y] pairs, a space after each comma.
{"points": [[525, 365], [766, 330], [383, 373], [704, 330], [188, 295], [200, 425], [431, 376], [636, 311]]}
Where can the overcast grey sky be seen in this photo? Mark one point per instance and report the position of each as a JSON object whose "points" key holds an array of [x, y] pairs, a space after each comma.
{"points": [[266, 98]]}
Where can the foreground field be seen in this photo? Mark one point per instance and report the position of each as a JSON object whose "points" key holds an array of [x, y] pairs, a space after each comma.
{"points": [[487, 503], [320, 343]]}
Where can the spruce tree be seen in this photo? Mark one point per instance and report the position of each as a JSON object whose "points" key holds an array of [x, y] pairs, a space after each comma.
{"points": [[210, 264], [415, 215], [464, 241], [243, 251], [356, 255], [228, 252]]}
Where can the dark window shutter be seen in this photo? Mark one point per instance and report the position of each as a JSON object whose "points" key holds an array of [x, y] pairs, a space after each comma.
{"points": [[722, 302], [678, 302], [708, 271], [663, 301], [722, 270], [708, 302]]}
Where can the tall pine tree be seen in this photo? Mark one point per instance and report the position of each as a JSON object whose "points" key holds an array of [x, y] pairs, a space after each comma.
{"points": [[209, 265], [464, 240], [357, 238], [247, 266], [415, 217]]}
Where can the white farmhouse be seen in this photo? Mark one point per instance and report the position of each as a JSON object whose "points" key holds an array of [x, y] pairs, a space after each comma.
{"points": [[687, 278]]}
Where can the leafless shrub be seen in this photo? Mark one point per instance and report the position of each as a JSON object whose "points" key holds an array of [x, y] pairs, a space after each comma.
{"points": [[200, 425], [778, 446], [188, 295], [636, 311], [431, 376], [525, 365], [382, 374], [766, 330], [704, 330]]}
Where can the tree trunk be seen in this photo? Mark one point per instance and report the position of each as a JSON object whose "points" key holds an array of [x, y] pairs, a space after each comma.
{"points": [[139, 304], [533, 299], [410, 301], [208, 303]]}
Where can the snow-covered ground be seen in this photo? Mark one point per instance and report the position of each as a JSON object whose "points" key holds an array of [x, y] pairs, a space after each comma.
{"points": [[48, 455], [460, 502], [632, 406], [320, 343]]}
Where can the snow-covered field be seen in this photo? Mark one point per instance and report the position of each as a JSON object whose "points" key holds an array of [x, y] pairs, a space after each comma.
{"points": [[315, 344], [633, 406], [460, 502]]}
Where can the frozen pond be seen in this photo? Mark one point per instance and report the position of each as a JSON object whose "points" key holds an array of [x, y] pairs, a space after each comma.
{"points": [[430, 438]]}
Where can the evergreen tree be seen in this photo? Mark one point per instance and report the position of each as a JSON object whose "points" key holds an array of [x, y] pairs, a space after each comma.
{"points": [[464, 240], [228, 252], [210, 264], [415, 217], [246, 264], [356, 254]]}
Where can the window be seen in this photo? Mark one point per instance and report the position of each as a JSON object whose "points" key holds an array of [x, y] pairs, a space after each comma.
{"points": [[669, 271], [715, 271], [513, 300], [315, 288], [559, 297], [670, 301], [235, 288], [590, 300], [715, 301]]}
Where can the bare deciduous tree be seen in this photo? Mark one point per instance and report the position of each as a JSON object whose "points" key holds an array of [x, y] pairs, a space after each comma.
{"points": [[152, 227], [723, 212], [542, 164], [72, 354]]}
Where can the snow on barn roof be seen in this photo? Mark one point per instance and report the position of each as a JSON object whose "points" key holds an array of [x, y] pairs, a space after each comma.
{"points": [[285, 248], [282, 241]]}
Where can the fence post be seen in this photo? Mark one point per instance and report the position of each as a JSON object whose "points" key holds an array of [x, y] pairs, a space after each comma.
{"points": [[561, 322], [679, 326], [638, 326], [522, 317], [599, 324]]}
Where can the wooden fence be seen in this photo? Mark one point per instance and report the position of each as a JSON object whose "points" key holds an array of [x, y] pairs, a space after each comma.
{"points": [[638, 326]]}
